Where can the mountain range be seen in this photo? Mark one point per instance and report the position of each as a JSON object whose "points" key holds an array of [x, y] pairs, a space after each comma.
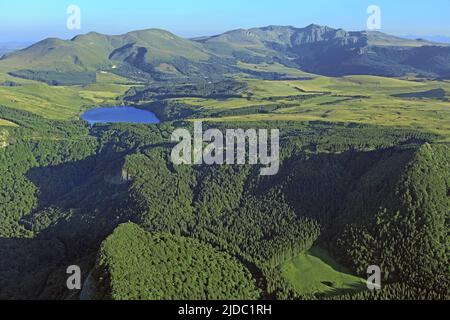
{"points": [[10, 46], [155, 54], [441, 39]]}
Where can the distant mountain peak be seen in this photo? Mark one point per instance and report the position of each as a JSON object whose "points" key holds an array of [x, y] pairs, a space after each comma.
{"points": [[314, 26], [159, 54]]}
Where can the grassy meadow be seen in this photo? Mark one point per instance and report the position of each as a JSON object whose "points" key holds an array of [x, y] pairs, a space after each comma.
{"points": [[359, 99], [316, 272], [60, 102], [407, 103], [6, 123]]}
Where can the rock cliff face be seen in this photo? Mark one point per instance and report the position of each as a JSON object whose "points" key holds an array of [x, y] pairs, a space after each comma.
{"points": [[120, 177]]}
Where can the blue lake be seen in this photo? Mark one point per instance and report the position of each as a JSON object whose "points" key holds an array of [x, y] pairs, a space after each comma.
{"points": [[119, 115]]}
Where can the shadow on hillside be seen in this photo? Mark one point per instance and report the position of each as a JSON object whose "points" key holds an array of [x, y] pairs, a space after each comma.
{"points": [[334, 292], [77, 209], [26, 265], [78, 201], [325, 186], [86, 207]]}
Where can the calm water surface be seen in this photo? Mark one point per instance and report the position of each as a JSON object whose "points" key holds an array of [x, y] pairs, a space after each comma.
{"points": [[119, 115]]}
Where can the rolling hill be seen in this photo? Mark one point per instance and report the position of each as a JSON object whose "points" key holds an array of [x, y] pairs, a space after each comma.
{"points": [[194, 270], [155, 54], [146, 52], [334, 52]]}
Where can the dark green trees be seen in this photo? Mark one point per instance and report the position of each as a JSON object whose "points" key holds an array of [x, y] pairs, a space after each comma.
{"points": [[136, 265], [407, 235]]}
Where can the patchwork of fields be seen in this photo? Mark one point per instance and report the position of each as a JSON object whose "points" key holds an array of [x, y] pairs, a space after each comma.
{"points": [[358, 99]]}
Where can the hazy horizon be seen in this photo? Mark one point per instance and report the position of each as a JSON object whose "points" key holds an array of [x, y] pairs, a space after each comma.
{"points": [[429, 37], [46, 18]]}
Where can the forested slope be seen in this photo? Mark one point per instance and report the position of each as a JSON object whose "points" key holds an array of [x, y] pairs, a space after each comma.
{"points": [[365, 193], [406, 234], [137, 265]]}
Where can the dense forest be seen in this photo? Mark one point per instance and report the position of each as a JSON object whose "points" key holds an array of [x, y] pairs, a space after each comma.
{"points": [[160, 91], [137, 265], [364, 175], [369, 195]]}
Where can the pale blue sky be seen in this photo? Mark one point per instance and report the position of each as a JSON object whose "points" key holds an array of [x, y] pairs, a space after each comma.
{"points": [[31, 20]]}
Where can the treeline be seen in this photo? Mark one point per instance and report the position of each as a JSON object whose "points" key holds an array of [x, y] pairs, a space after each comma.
{"points": [[55, 78], [175, 70], [32, 126], [206, 89]]}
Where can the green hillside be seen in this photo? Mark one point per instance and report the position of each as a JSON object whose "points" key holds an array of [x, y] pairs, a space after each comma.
{"points": [[136, 265], [364, 173], [315, 272], [152, 52], [332, 52], [62, 102], [155, 54], [406, 230], [389, 102], [59, 55], [63, 188]]}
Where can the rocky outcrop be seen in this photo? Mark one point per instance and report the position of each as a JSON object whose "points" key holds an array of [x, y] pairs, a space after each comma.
{"points": [[119, 178]]}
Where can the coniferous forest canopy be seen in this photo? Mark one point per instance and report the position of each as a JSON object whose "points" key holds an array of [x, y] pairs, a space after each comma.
{"points": [[364, 178]]}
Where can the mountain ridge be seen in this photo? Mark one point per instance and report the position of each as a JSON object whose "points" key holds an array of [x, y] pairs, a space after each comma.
{"points": [[158, 54]]}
